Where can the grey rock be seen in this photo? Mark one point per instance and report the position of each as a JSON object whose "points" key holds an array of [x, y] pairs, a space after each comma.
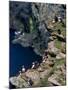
{"points": [[60, 56], [19, 82]]}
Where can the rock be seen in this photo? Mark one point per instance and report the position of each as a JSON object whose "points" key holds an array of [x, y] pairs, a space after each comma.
{"points": [[63, 49], [50, 26], [60, 56], [52, 49], [37, 16], [53, 80], [14, 81], [31, 22], [63, 69], [50, 63], [61, 37], [45, 73], [57, 72], [40, 69], [34, 76], [53, 34], [54, 37], [44, 66], [51, 38], [63, 44], [18, 82], [40, 13]]}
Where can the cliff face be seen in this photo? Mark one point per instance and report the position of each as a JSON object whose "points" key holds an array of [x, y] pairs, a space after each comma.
{"points": [[42, 33], [31, 20], [46, 12], [50, 72]]}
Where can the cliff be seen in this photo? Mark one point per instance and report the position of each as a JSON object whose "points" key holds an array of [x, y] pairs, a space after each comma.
{"points": [[31, 22], [50, 72], [42, 30]]}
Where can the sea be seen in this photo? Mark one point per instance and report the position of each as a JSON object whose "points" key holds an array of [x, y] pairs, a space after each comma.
{"points": [[20, 56]]}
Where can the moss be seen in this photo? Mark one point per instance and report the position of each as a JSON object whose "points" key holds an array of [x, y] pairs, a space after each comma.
{"points": [[58, 62], [44, 82], [31, 24], [58, 44]]}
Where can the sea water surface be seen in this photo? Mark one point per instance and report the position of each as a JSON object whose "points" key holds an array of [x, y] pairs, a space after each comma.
{"points": [[19, 56]]}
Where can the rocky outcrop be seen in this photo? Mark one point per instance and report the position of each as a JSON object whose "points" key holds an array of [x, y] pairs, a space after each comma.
{"points": [[19, 82], [60, 56], [34, 76], [46, 12], [52, 74], [58, 78], [45, 73], [53, 51], [53, 80]]}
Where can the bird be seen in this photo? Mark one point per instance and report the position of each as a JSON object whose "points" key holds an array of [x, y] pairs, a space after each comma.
{"points": [[17, 32], [43, 61], [59, 19], [23, 68], [33, 65]]}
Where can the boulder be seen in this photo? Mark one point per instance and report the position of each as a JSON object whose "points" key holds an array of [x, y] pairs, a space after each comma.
{"points": [[53, 51], [45, 73], [34, 76], [18, 82], [61, 37], [63, 49], [40, 69], [60, 56], [51, 38], [53, 80]]}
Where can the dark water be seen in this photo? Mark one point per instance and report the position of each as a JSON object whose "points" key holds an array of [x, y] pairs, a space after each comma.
{"points": [[20, 56]]}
